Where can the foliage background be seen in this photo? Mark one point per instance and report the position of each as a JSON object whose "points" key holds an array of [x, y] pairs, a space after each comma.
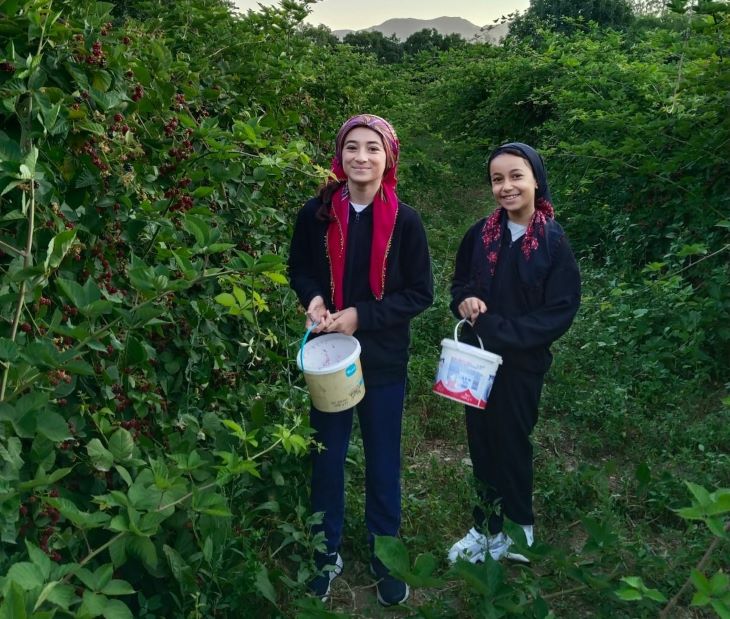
{"points": [[152, 421]]}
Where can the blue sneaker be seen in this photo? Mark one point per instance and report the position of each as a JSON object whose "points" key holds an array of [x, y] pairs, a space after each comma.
{"points": [[329, 567], [391, 590]]}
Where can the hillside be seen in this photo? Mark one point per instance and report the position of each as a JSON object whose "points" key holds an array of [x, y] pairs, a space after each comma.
{"points": [[402, 28]]}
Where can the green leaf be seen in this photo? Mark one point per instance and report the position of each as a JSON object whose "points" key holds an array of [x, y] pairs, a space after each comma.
{"points": [[58, 247], [393, 553], [87, 578], [144, 549], [208, 549], [692, 249], [118, 587], [277, 278], [121, 445], [483, 579], [720, 583], [217, 248], [264, 586], [203, 192], [628, 594], [39, 558], [93, 604], [634, 589], [27, 575], [43, 480], [182, 572], [101, 458], [258, 412], [13, 606], [79, 367], [8, 349], [9, 149], [97, 308], [136, 353], [41, 353], [212, 504], [91, 291], [236, 428], [198, 228], [53, 426], [27, 168], [118, 551], [60, 594], [80, 519], [226, 299], [24, 424], [73, 291], [124, 474], [182, 257], [101, 80], [50, 117], [116, 609]]}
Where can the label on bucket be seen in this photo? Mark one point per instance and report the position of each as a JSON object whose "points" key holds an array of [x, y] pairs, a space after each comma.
{"points": [[464, 379], [350, 370]]}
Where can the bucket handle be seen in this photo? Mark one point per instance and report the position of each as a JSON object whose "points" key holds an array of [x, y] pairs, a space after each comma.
{"points": [[456, 332], [304, 341]]}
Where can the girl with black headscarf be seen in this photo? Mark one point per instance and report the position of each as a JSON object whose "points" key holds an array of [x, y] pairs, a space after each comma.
{"points": [[517, 282]]}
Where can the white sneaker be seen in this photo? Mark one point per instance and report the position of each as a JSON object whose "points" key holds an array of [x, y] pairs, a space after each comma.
{"points": [[499, 545], [529, 538], [473, 547]]}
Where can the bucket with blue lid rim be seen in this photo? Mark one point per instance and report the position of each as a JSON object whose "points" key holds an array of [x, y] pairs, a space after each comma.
{"points": [[332, 370]]}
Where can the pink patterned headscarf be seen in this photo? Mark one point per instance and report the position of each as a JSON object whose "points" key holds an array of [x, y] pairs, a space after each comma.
{"points": [[385, 209]]}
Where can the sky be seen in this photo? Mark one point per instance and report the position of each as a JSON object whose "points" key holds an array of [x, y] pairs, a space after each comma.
{"points": [[357, 14]]}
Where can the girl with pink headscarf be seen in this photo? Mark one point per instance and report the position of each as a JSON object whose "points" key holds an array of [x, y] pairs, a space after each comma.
{"points": [[360, 265]]}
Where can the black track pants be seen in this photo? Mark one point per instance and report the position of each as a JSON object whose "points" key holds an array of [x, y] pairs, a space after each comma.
{"points": [[501, 451]]}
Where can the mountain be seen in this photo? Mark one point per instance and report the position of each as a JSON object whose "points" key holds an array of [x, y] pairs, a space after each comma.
{"points": [[402, 28]]}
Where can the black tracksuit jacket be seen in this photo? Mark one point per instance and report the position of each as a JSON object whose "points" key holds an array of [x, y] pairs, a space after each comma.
{"points": [[383, 326], [530, 303]]}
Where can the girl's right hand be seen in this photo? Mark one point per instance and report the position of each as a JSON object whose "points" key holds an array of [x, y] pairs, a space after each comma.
{"points": [[317, 312], [471, 307]]}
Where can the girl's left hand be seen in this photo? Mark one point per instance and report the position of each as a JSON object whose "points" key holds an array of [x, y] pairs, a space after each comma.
{"points": [[344, 321], [471, 307]]}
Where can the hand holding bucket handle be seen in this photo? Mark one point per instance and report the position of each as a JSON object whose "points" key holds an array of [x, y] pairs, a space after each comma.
{"points": [[456, 332]]}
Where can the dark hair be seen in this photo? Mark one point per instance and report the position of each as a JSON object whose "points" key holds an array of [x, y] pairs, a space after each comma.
{"points": [[324, 212], [507, 150]]}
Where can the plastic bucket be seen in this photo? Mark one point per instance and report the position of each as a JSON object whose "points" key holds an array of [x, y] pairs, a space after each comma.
{"points": [[465, 373], [332, 371]]}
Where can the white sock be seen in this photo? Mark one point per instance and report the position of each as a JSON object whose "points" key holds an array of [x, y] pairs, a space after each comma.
{"points": [[529, 535]]}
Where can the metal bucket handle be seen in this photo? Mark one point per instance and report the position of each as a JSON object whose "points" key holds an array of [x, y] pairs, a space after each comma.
{"points": [[304, 341], [456, 332]]}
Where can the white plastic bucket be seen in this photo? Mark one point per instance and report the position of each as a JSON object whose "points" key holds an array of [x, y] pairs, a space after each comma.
{"points": [[332, 371], [465, 373]]}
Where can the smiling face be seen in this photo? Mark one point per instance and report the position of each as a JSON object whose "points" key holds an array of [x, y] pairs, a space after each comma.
{"points": [[513, 186], [363, 157]]}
